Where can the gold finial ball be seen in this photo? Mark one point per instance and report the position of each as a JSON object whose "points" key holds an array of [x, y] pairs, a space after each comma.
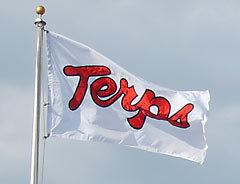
{"points": [[40, 10]]}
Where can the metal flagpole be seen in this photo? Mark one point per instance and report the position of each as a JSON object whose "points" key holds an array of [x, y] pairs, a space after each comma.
{"points": [[37, 97]]}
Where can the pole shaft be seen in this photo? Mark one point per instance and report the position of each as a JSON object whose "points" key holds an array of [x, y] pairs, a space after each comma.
{"points": [[37, 104]]}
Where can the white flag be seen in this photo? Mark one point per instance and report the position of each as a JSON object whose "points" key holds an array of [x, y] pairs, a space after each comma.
{"points": [[93, 99]]}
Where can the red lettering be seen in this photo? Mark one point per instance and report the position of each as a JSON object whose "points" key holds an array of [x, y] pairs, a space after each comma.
{"points": [[84, 72], [104, 93], [104, 87], [180, 118]]}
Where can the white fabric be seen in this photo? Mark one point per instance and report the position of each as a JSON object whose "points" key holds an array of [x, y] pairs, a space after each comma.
{"points": [[91, 122]]}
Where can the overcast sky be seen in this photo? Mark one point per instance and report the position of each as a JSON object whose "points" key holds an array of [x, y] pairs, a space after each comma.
{"points": [[182, 45]]}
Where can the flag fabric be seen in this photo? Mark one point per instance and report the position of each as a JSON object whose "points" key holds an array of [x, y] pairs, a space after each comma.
{"points": [[92, 98]]}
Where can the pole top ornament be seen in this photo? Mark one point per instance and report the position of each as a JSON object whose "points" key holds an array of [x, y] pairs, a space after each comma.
{"points": [[40, 10]]}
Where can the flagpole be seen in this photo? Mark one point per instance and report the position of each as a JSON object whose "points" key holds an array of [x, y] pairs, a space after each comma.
{"points": [[40, 10]]}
